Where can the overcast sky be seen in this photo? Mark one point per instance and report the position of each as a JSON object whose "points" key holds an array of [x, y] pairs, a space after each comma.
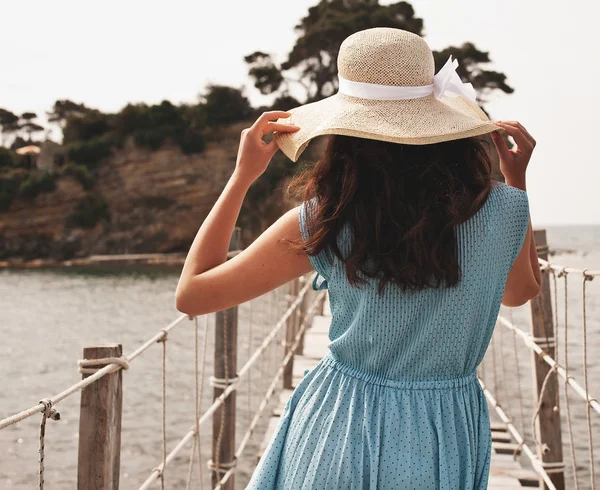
{"points": [[106, 54]]}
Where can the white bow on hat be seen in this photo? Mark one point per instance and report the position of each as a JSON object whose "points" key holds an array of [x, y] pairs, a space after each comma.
{"points": [[446, 80]]}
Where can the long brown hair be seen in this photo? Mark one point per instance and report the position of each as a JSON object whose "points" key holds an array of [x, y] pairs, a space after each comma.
{"points": [[402, 203]]}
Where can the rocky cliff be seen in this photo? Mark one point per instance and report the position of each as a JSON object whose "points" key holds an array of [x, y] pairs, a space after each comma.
{"points": [[156, 201]]}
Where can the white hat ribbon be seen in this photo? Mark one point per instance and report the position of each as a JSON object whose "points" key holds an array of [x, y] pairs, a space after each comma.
{"points": [[446, 80]]}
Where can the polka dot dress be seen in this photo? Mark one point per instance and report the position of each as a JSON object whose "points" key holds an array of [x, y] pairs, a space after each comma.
{"points": [[396, 403]]}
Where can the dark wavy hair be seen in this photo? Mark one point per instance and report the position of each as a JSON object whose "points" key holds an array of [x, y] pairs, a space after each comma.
{"points": [[402, 203]]}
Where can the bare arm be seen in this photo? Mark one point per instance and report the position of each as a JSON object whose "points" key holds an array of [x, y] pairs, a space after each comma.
{"points": [[525, 278], [209, 282]]}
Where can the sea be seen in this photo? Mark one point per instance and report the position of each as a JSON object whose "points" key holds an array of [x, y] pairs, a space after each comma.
{"points": [[48, 316]]}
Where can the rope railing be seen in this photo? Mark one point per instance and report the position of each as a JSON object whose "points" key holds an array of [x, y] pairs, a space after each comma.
{"points": [[97, 369], [545, 349], [544, 265], [570, 380], [538, 467], [111, 367], [230, 387]]}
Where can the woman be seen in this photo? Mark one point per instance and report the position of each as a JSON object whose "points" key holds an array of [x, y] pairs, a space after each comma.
{"points": [[418, 248]]}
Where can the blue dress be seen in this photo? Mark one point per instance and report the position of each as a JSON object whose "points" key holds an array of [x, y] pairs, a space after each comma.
{"points": [[396, 404]]}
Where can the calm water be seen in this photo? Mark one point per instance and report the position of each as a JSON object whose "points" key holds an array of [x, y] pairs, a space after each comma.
{"points": [[47, 317]]}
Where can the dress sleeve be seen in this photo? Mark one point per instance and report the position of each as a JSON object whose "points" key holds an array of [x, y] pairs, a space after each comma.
{"points": [[321, 262], [519, 220]]}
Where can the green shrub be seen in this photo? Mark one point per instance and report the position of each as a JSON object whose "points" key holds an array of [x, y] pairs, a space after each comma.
{"points": [[80, 172], [190, 141], [85, 127], [9, 186], [156, 202], [223, 105], [149, 138], [37, 183], [91, 152], [90, 210], [7, 158], [141, 117]]}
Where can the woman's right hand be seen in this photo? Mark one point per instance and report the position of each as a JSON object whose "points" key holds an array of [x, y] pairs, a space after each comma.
{"points": [[513, 163]]}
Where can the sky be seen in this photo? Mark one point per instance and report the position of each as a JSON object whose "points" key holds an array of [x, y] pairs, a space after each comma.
{"points": [[107, 54]]}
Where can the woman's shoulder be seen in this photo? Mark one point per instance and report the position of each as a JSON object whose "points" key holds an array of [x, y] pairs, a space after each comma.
{"points": [[510, 204], [505, 195], [507, 190]]}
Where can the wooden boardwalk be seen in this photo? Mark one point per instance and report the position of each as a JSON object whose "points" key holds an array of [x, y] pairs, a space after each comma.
{"points": [[505, 473]]}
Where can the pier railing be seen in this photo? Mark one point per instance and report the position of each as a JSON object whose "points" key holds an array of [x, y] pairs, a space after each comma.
{"points": [[546, 344]]}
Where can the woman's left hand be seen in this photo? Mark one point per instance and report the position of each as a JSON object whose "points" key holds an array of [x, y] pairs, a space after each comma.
{"points": [[255, 154]]}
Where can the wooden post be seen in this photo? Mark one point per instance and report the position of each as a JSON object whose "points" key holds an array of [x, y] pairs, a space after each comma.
{"points": [[225, 358], [290, 335], [542, 328], [100, 425], [300, 314]]}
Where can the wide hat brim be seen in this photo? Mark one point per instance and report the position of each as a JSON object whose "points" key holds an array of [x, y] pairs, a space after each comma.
{"points": [[418, 121]]}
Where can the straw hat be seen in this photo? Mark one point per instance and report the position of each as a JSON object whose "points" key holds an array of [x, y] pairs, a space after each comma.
{"points": [[388, 91]]}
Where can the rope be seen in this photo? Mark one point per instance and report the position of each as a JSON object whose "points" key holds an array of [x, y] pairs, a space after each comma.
{"points": [[84, 364], [191, 465], [563, 273], [555, 328], [198, 389], [521, 408], [199, 404], [221, 467], [161, 469], [570, 380], [553, 466], [220, 400], [538, 442], [47, 413], [249, 389], [587, 278], [224, 383], [535, 462], [109, 369], [545, 265], [197, 434]]}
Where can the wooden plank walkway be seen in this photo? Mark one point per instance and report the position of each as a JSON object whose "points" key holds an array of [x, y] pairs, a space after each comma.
{"points": [[505, 472]]}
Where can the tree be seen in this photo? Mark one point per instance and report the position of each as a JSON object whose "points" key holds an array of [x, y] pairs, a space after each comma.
{"points": [[29, 126], [63, 109], [222, 105], [266, 75], [9, 124], [314, 56], [89, 125]]}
